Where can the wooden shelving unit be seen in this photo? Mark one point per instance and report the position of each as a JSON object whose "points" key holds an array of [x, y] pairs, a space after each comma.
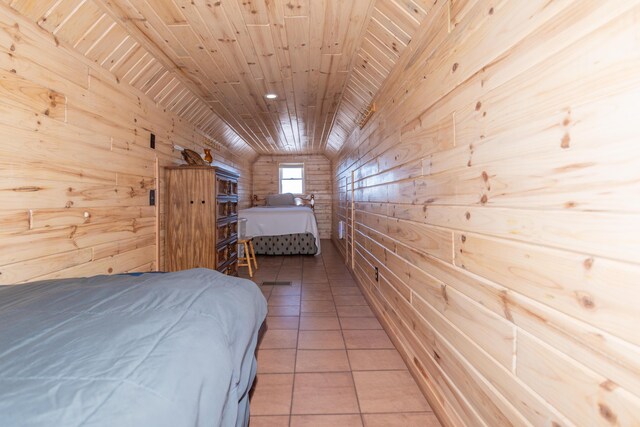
{"points": [[202, 219]]}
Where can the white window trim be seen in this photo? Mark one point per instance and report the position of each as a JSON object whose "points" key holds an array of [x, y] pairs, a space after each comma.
{"points": [[290, 165]]}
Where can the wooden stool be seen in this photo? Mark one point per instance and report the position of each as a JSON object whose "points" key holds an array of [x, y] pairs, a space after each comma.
{"points": [[249, 254]]}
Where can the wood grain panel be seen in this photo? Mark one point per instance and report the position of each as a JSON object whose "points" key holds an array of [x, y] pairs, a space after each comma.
{"points": [[191, 220], [76, 166], [225, 56], [508, 128]]}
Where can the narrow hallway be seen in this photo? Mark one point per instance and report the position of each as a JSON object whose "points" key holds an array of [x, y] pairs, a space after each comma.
{"points": [[325, 359]]}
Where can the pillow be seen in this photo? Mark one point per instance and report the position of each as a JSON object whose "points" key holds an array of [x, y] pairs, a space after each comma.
{"points": [[285, 199]]}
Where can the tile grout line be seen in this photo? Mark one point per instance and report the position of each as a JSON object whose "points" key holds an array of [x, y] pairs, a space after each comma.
{"points": [[295, 358], [353, 382], [314, 271]]}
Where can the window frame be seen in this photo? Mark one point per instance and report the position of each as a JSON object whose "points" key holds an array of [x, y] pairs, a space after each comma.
{"points": [[291, 165]]}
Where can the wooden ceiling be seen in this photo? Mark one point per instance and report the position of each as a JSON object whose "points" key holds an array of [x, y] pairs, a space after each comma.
{"points": [[212, 61]]}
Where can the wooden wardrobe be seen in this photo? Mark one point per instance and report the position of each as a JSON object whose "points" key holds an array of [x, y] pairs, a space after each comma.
{"points": [[202, 219]]}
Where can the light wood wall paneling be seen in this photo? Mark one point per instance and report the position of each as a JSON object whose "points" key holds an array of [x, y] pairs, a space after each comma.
{"points": [[108, 34], [212, 62], [317, 173], [495, 189], [76, 163]]}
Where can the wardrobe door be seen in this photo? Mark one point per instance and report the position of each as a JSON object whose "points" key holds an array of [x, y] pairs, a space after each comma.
{"points": [[190, 219]]}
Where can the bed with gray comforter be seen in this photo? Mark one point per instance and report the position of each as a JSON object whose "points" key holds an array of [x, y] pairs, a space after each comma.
{"points": [[175, 349]]}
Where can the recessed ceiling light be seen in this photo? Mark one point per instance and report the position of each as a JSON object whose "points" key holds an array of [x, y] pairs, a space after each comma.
{"points": [[271, 96]]}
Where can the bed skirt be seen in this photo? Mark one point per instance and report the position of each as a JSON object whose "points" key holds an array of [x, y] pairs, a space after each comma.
{"points": [[288, 244]]}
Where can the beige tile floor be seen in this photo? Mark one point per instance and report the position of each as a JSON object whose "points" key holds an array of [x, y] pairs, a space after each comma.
{"points": [[324, 359]]}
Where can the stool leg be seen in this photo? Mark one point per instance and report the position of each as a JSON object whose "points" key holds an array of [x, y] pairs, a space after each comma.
{"points": [[253, 254], [247, 255]]}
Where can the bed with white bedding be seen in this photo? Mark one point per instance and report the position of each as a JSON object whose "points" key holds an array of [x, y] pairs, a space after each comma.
{"points": [[175, 349], [282, 230]]}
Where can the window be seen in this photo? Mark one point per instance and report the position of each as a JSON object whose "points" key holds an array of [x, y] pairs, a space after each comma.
{"points": [[292, 178]]}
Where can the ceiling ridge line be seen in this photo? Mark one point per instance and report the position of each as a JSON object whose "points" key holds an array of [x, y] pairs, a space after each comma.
{"points": [[420, 32], [365, 25], [115, 12]]}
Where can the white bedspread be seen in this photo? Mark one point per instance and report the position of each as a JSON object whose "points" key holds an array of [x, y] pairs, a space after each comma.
{"points": [[278, 221]]}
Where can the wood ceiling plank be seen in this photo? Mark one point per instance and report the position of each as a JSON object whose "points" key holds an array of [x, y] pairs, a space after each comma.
{"points": [[363, 85], [231, 100], [297, 7], [328, 68], [125, 15], [298, 37], [391, 52], [105, 45], [459, 9], [233, 15], [33, 10], [169, 12], [311, 117], [95, 32], [58, 14], [316, 28], [157, 83], [188, 111], [197, 77], [255, 12], [141, 80], [358, 22], [119, 53], [200, 55], [266, 53], [196, 110], [239, 126], [228, 54], [398, 14], [332, 102], [140, 68], [234, 40], [417, 9], [165, 90], [401, 34], [155, 27], [336, 22], [261, 35], [386, 37], [364, 78], [279, 35], [348, 112], [354, 97], [176, 100], [79, 23], [370, 66], [278, 112], [291, 109], [380, 54], [167, 96], [231, 66]]}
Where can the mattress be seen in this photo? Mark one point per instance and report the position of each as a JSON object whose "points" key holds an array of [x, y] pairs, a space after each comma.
{"points": [[288, 244], [173, 349], [281, 220]]}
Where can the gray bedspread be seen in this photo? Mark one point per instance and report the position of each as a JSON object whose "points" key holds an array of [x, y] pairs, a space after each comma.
{"points": [[173, 349]]}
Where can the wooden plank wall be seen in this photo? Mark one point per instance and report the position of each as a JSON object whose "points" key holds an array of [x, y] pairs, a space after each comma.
{"points": [[317, 174], [76, 167], [497, 190]]}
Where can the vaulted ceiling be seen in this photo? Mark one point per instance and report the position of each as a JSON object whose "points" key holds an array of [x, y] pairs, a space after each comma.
{"points": [[212, 61]]}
